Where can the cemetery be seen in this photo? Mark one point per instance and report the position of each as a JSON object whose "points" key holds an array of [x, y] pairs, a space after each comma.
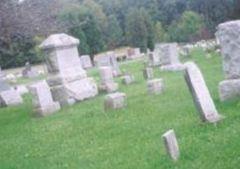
{"points": [[172, 104]]}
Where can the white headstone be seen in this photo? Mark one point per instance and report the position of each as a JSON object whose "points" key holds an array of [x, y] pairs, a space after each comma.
{"points": [[107, 81], [200, 93], [42, 99], [115, 101], [171, 144]]}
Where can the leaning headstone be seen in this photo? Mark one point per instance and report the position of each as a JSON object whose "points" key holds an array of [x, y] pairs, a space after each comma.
{"points": [[42, 99], [200, 93], [115, 101], [228, 36], [68, 80], [155, 86], [86, 61], [107, 82], [28, 72], [171, 144], [169, 57], [148, 73]]}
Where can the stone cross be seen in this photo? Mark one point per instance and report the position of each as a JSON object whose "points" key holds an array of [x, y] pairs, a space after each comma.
{"points": [[171, 144], [200, 93]]}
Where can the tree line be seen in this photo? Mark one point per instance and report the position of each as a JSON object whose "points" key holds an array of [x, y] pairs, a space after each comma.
{"points": [[106, 24]]}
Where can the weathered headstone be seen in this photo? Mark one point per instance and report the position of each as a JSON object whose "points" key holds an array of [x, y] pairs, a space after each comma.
{"points": [[148, 73], [8, 96], [42, 99], [153, 59], [155, 86], [115, 101], [68, 80], [171, 144], [21, 89], [107, 82], [200, 93], [228, 35], [28, 72], [128, 79], [169, 57], [86, 61], [114, 64]]}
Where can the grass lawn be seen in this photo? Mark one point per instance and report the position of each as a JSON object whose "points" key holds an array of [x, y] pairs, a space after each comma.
{"points": [[85, 137]]}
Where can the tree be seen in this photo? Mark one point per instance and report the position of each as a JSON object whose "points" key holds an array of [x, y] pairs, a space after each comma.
{"points": [[160, 33], [188, 26]]}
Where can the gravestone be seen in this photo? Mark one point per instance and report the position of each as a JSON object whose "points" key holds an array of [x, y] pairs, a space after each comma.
{"points": [[200, 93], [115, 101], [171, 144], [8, 96], [86, 61], [228, 36], [155, 86], [128, 79], [153, 59], [114, 63], [148, 73], [107, 82], [28, 72], [68, 80], [42, 99], [169, 57]]}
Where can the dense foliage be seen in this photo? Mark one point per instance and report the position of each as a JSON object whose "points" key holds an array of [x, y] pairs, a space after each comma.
{"points": [[106, 24]]}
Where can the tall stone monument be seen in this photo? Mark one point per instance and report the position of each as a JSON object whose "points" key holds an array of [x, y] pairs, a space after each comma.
{"points": [[68, 80], [228, 35]]}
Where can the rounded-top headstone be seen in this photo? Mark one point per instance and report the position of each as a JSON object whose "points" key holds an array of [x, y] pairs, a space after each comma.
{"points": [[59, 41]]}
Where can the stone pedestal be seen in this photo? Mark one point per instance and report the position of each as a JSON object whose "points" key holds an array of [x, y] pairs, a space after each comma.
{"points": [[107, 82], [115, 101], [148, 73], [200, 94], [42, 99], [155, 86], [68, 80], [171, 144], [228, 35]]}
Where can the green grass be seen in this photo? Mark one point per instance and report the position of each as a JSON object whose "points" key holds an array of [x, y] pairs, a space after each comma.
{"points": [[84, 136]]}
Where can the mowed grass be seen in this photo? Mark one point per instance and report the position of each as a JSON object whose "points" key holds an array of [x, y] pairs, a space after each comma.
{"points": [[85, 137]]}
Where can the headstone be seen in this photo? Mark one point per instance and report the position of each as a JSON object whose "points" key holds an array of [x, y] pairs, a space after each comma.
{"points": [[153, 59], [134, 53], [28, 72], [107, 82], [86, 62], [155, 86], [42, 99], [171, 144], [128, 79], [114, 64], [68, 80], [115, 101], [169, 57], [21, 89], [228, 36], [200, 93], [148, 73]]}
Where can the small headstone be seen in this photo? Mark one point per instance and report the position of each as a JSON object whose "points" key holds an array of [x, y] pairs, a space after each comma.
{"points": [[10, 98], [107, 82], [153, 59], [115, 101], [148, 73], [128, 79], [28, 72], [86, 62], [155, 86], [42, 99], [21, 89], [200, 93], [229, 89], [171, 144]]}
